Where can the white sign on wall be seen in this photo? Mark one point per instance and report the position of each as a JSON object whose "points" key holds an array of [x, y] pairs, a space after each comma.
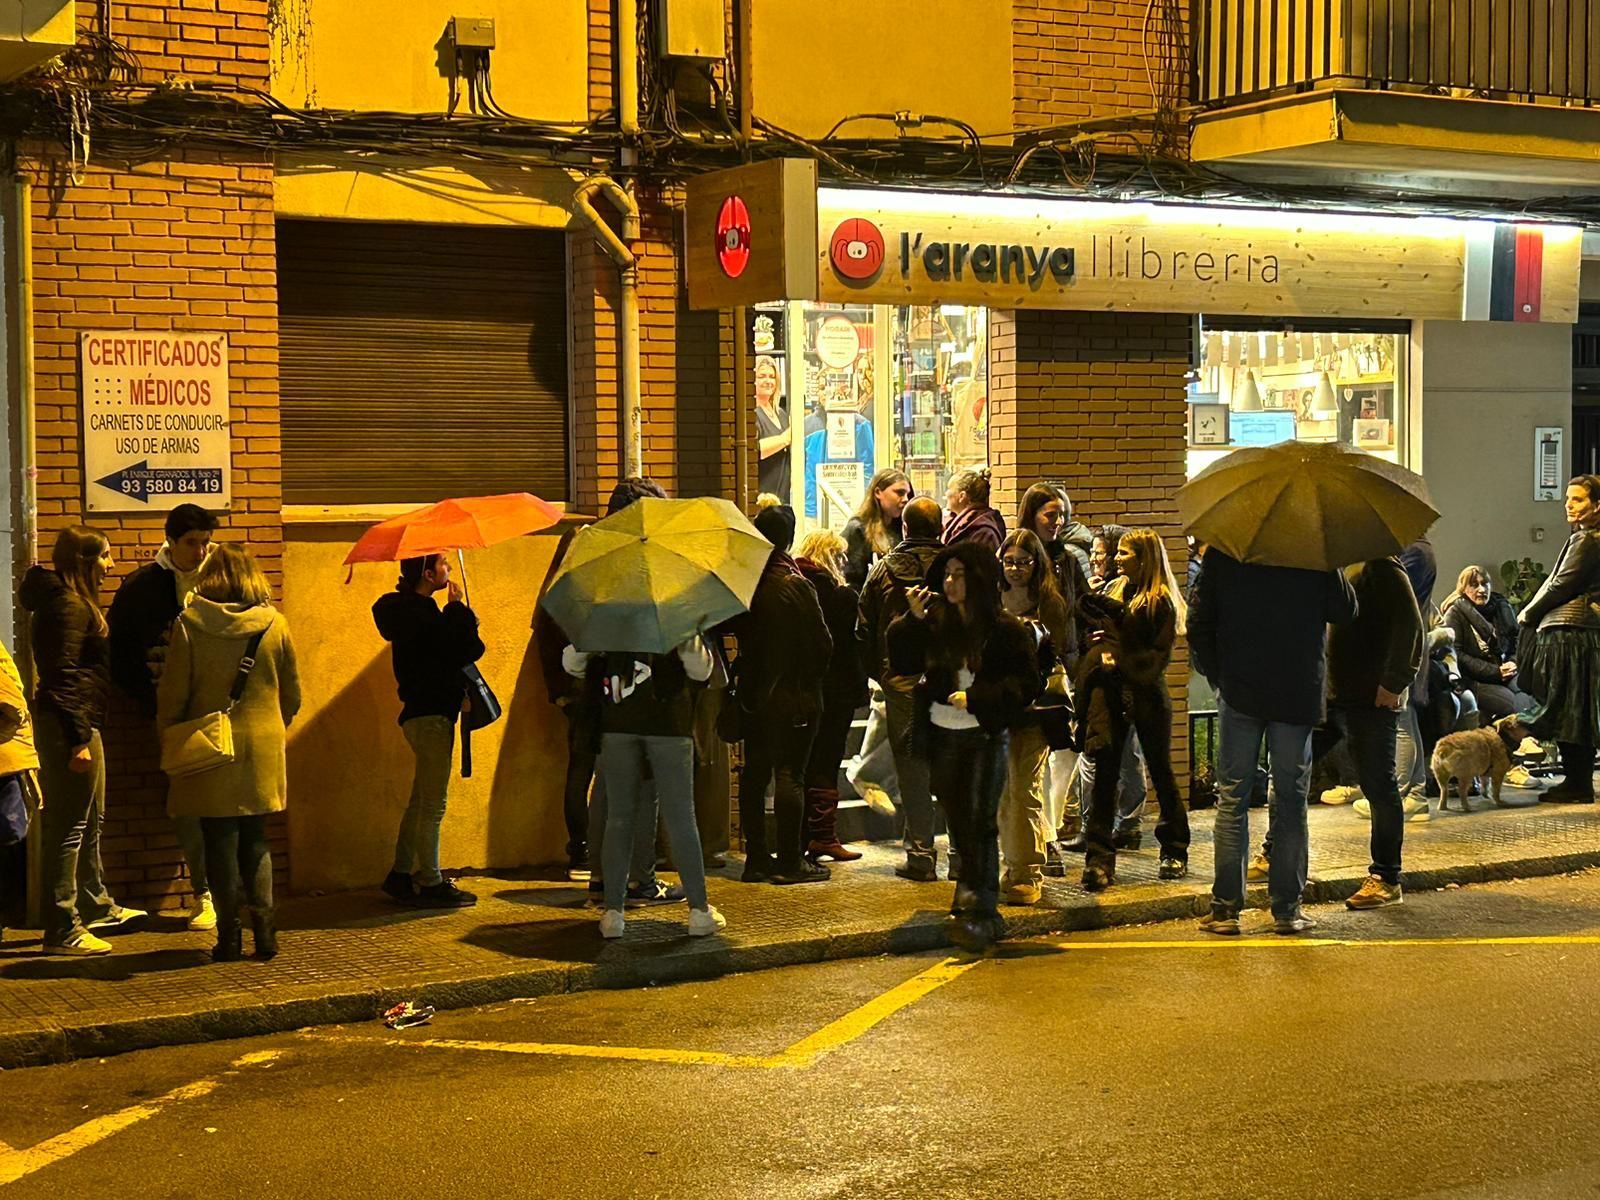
{"points": [[155, 420]]}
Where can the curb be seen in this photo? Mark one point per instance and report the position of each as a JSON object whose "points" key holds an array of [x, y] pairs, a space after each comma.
{"points": [[53, 1042]]}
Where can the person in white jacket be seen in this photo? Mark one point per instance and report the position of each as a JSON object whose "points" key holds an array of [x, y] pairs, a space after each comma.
{"points": [[647, 715]]}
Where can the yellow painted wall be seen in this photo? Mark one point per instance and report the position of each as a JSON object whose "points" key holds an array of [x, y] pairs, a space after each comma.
{"points": [[386, 57], [463, 194], [349, 765], [818, 60]]}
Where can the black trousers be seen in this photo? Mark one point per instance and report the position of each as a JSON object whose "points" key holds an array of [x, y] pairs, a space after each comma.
{"points": [[1150, 717], [239, 865], [776, 751], [968, 769], [822, 772], [583, 748]]}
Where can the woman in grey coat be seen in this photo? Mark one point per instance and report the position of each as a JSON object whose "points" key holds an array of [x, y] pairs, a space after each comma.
{"points": [[231, 608]]}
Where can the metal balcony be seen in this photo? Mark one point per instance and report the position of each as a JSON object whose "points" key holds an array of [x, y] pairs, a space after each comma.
{"points": [[1432, 92], [1526, 50]]}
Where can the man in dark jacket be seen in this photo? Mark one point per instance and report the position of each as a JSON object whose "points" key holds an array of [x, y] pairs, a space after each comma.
{"points": [[1257, 633], [882, 600], [784, 649], [141, 618], [1077, 537], [1371, 666], [430, 648]]}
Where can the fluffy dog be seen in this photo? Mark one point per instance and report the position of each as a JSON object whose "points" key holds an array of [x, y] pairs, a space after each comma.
{"points": [[1476, 754]]}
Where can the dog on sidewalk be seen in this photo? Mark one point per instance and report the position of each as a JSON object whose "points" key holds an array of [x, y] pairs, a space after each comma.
{"points": [[1476, 754]]}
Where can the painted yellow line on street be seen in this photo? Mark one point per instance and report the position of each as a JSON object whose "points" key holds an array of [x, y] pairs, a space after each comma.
{"points": [[1275, 942], [16, 1164], [852, 1025], [803, 1054], [694, 1058]]}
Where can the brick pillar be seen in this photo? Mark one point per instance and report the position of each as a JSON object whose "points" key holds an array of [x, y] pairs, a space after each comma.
{"points": [[1095, 402]]}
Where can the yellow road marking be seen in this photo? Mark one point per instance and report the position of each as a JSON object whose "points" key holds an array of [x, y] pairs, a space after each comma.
{"points": [[803, 1054], [16, 1164], [1276, 942], [853, 1024]]}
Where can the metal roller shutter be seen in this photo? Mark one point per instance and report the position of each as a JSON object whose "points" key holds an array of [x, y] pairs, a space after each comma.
{"points": [[418, 362]]}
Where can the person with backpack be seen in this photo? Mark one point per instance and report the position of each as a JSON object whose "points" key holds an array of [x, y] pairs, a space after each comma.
{"points": [[431, 647], [141, 618]]}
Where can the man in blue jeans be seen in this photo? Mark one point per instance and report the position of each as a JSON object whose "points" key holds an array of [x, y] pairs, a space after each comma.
{"points": [[1371, 665], [1257, 634]]}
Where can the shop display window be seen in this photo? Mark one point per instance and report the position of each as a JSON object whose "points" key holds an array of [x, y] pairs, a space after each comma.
{"points": [[1257, 388], [844, 391]]}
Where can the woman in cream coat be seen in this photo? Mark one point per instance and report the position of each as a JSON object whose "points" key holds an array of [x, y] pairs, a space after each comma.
{"points": [[230, 606]]}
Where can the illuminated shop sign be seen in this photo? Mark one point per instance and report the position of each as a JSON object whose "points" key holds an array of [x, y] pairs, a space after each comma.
{"points": [[1015, 252]]}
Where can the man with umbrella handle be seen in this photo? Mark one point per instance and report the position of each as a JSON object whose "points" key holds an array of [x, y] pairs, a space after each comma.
{"points": [[647, 719], [430, 647], [1256, 632]]}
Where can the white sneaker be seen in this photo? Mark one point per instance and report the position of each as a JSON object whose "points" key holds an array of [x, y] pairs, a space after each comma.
{"points": [[1530, 748], [1341, 795], [81, 943], [118, 917], [613, 923], [204, 916], [705, 921], [1416, 810], [1520, 777]]}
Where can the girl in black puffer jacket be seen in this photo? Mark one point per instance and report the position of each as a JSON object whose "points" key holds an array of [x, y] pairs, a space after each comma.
{"points": [[979, 670], [72, 657]]}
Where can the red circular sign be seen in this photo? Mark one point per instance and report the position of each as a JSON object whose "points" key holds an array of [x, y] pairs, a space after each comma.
{"points": [[733, 237], [856, 248]]}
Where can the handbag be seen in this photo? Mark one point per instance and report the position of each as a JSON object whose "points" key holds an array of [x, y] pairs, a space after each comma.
{"points": [[482, 708], [205, 743], [1053, 711]]}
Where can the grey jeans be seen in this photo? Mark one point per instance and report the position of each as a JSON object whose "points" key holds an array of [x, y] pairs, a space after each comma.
{"points": [[642, 864], [416, 848], [74, 811], [622, 758]]}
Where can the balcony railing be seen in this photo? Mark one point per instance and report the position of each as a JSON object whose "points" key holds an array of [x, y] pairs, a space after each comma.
{"points": [[1501, 49]]}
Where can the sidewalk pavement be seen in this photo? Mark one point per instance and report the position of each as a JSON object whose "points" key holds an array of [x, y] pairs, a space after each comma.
{"points": [[347, 957]]}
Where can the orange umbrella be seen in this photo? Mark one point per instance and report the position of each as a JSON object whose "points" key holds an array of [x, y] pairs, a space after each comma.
{"points": [[471, 523]]}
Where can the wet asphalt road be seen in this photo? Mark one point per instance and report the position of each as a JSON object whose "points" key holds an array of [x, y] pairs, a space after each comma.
{"points": [[1405, 1069]]}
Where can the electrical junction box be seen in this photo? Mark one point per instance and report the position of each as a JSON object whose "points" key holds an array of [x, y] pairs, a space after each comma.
{"points": [[472, 33], [692, 29]]}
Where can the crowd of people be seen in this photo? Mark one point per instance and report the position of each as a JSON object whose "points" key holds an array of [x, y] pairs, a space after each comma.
{"points": [[1017, 676]]}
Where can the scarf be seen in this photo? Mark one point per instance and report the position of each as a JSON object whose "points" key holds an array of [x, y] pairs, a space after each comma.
{"points": [[1482, 631]]}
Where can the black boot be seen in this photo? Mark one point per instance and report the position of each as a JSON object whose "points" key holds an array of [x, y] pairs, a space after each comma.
{"points": [[230, 943], [264, 927], [1577, 764]]}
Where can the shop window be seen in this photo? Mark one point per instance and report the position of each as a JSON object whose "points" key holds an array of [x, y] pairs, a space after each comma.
{"points": [[1260, 387], [843, 391]]}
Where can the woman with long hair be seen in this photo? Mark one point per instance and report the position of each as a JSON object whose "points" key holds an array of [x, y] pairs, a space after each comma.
{"points": [[821, 560], [1564, 666], [979, 671], [231, 618], [1485, 628], [1103, 555], [72, 663], [1028, 591], [968, 517], [875, 529], [1124, 692]]}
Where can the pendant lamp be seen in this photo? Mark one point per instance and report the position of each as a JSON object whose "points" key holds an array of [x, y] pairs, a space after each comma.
{"points": [[1325, 405], [1248, 398]]}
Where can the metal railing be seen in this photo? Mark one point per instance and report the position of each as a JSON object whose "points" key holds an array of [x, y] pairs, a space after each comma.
{"points": [[1502, 49]]}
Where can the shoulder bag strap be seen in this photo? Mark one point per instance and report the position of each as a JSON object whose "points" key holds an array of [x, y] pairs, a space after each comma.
{"points": [[245, 665]]}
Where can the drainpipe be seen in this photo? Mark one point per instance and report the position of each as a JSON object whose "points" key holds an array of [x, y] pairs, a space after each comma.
{"points": [[628, 315], [741, 314]]}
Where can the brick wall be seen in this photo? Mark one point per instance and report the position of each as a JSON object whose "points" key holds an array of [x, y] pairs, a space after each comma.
{"points": [[1095, 401], [1076, 59], [184, 243]]}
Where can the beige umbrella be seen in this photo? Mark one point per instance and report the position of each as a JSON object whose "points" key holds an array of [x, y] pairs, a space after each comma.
{"points": [[1315, 505]]}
